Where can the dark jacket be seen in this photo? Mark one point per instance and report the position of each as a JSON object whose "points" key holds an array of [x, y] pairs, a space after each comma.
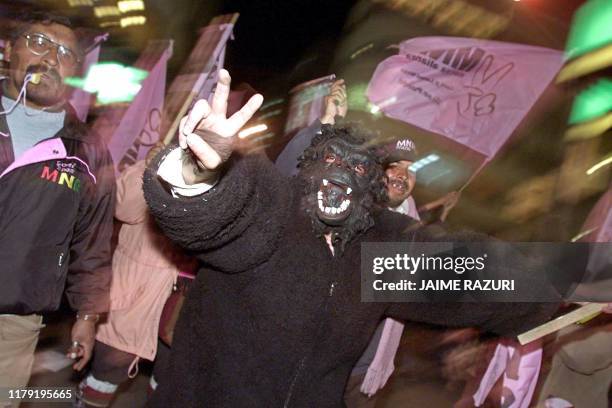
{"points": [[56, 219], [273, 319]]}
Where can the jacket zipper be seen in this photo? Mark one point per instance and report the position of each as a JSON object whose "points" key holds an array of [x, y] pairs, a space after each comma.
{"points": [[332, 286], [293, 381]]}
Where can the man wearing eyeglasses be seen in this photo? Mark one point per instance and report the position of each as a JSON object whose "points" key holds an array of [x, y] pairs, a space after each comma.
{"points": [[50, 50], [56, 199]]}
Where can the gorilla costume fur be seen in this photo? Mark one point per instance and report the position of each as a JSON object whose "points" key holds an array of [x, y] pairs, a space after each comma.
{"points": [[274, 318]]}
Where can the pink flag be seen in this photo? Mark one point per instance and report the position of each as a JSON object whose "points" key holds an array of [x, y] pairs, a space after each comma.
{"points": [[520, 368], [80, 99], [198, 74], [206, 90], [141, 123], [382, 365], [472, 91]]}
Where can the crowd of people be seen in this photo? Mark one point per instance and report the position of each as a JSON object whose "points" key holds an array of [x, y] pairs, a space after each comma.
{"points": [[270, 252]]}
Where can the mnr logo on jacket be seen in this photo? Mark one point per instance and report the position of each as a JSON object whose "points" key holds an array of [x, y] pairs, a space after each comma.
{"points": [[62, 174]]}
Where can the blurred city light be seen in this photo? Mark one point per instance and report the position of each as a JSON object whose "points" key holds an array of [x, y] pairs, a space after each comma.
{"points": [[459, 17], [593, 102], [111, 81], [362, 50], [601, 164], [589, 44], [357, 98], [126, 6], [583, 234], [132, 21], [80, 3], [252, 130], [266, 115], [265, 136], [273, 102], [106, 11], [106, 24], [590, 28], [419, 164]]}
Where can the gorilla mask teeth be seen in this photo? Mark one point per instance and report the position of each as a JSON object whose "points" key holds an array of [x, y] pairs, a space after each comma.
{"points": [[345, 205], [333, 198], [335, 210]]}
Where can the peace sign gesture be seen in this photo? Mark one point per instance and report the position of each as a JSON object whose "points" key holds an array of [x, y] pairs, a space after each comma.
{"points": [[206, 129]]}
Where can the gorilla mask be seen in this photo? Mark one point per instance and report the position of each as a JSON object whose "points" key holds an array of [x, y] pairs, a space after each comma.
{"points": [[343, 178]]}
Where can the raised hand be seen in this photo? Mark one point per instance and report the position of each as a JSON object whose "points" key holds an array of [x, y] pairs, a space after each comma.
{"points": [[336, 103], [206, 130]]}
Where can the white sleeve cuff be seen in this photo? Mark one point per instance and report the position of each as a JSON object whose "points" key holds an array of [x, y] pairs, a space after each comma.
{"points": [[171, 171]]}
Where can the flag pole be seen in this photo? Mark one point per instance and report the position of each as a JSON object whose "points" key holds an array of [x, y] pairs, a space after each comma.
{"points": [[586, 311]]}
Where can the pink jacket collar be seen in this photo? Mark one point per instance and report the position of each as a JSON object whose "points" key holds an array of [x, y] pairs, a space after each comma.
{"points": [[50, 149]]}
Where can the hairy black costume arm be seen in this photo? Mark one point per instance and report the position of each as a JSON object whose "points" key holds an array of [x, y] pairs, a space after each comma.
{"points": [[502, 318], [505, 319], [234, 226]]}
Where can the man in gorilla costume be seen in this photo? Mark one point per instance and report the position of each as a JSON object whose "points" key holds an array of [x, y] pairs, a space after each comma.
{"points": [[274, 318]]}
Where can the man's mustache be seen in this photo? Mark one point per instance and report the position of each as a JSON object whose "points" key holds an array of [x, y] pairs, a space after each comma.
{"points": [[42, 69]]}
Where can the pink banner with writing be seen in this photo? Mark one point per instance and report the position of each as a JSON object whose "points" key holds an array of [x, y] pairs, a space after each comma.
{"points": [[140, 125], [198, 74], [472, 91]]}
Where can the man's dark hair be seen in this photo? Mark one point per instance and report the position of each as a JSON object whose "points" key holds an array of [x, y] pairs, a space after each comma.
{"points": [[28, 19]]}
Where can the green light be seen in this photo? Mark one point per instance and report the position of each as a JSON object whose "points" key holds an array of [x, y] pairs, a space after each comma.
{"points": [[111, 81], [593, 102], [357, 98], [590, 28]]}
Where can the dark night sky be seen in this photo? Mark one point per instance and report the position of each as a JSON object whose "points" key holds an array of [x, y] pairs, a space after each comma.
{"points": [[277, 32], [272, 36]]}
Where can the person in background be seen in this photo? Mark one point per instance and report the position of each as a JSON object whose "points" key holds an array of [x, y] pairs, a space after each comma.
{"points": [[336, 106], [145, 269], [376, 364], [57, 194]]}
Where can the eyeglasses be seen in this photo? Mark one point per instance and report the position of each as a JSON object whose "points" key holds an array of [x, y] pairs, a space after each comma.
{"points": [[40, 44]]}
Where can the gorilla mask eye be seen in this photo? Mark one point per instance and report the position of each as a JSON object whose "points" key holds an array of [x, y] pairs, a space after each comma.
{"points": [[329, 158], [360, 169]]}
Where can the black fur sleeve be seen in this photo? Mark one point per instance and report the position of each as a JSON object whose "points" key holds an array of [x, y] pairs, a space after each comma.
{"points": [[506, 319], [234, 226]]}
